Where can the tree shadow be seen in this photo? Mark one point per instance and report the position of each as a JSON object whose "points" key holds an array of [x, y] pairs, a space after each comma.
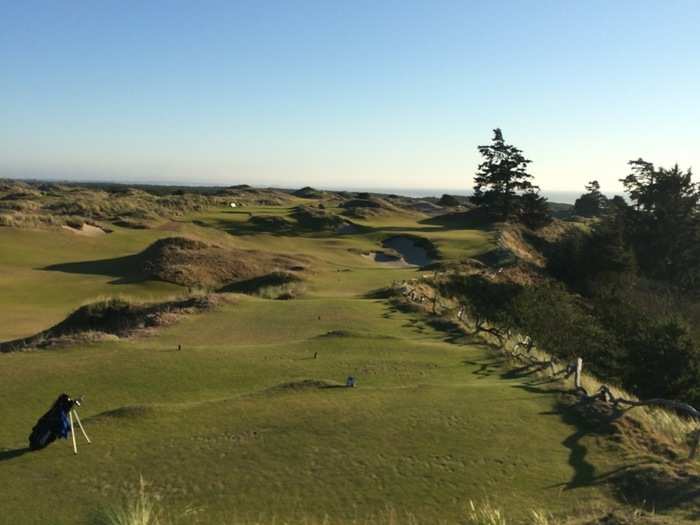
{"points": [[380, 293], [486, 368], [453, 331], [584, 471], [648, 482], [545, 381], [7, 455], [522, 372], [534, 389]]}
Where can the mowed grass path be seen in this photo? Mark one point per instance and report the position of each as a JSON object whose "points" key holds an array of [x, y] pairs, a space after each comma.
{"points": [[227, 427]]}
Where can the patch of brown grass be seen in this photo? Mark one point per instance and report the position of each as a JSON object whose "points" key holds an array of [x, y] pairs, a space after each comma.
{"points": [[194, 263]]}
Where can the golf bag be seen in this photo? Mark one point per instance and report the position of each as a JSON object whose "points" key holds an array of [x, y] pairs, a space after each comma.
{"points": [[52, 425]]}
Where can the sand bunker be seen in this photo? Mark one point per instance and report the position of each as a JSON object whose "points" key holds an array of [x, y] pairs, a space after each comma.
{"points": [[410, 249], [386, 259], [403, 252], [88, 230]]}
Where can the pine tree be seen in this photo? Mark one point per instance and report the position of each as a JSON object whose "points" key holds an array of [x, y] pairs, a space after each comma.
{"points": [[665, 222], [592, 203], [501, 178], [534, 210]]}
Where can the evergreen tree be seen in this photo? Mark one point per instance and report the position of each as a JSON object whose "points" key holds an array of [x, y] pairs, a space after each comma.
{"points": [[664, 227], [501, 178], [534, 210], [592, 203]]}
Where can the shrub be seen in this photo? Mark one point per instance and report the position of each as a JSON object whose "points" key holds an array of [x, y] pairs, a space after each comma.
{"points": [[448, 200], [561, 324], [485, 301], [141, 508]]}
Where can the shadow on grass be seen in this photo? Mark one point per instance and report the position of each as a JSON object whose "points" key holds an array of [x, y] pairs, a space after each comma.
{"points": [[649, 482], [486, 368], [381, 293], [7, 455], [585, 422], [476, 219], [256, 284], [453, 331], [584, 471], [521, 372], [125, 270]]}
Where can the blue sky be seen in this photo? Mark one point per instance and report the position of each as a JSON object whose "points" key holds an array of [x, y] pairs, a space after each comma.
{"points": [[345, 94]]}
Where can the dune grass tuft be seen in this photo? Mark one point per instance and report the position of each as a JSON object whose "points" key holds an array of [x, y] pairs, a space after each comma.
{"points": [[484, 514], [142, 508]]}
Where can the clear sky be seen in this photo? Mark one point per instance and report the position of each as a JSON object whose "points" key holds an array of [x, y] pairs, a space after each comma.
{"points": [[370, 94]]}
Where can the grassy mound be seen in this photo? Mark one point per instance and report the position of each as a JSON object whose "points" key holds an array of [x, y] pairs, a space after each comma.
{"points": [[194, 263], [30, 205], [127, 412], [277, 285], [132, 224], [116, 317], [317, 219], [369, 207], [245, 195], [307, 192], [273, 223], [521, 253]]}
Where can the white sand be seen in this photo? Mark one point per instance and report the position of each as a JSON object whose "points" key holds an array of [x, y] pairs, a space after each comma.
{"points": [[413, 254], [385, 259], [86, 229]]}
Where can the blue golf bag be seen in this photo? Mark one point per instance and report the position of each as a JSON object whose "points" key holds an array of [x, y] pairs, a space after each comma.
{"points": [[52, 425]]}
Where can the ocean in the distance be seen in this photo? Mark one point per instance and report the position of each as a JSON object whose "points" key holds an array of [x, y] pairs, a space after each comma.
{"points": [[566, 197]]}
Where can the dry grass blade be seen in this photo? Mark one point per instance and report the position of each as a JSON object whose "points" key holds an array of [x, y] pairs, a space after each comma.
{"points": [[484, 514], [142, 509]]}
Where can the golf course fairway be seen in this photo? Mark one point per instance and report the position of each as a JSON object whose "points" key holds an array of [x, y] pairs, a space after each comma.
{"points": [[250, 420]]}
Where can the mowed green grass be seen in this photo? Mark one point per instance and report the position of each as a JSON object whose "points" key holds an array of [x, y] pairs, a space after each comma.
{"points": [[225, 427], [33, 298], [216, 425]]}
